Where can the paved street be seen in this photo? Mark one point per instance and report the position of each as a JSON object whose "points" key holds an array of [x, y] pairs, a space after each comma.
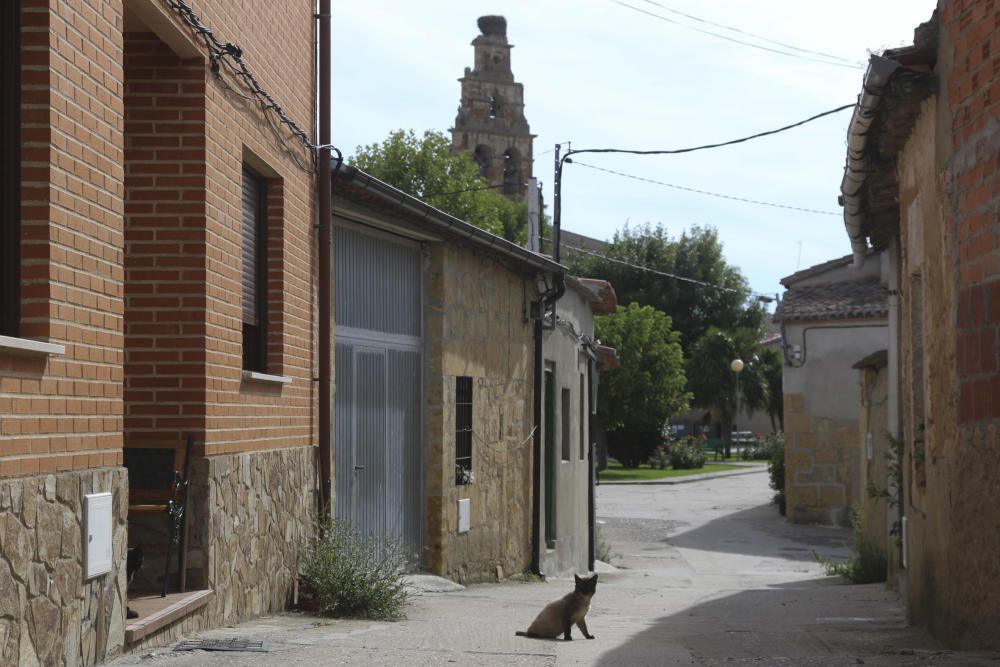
{"points": [[707, 573]]}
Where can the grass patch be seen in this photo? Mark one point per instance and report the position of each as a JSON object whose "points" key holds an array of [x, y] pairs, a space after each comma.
{"points": [[616, 473]]}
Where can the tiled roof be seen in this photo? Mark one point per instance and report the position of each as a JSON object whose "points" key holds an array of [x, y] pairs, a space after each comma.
{"points": [[863, 298]]}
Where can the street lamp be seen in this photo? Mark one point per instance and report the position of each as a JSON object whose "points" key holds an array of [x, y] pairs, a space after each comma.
{"points": [[736, 365]]}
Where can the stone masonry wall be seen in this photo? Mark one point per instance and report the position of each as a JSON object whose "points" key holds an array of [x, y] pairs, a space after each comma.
{"points": [[476, 327], [254, 512], [48, 614]]}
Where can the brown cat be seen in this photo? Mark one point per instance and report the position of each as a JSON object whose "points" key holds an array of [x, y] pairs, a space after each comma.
{"points": [[558, 617]]}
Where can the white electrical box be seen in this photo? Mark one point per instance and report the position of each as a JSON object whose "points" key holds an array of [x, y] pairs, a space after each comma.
{"points": [[464, 515], [870, 446], [97, 532]]}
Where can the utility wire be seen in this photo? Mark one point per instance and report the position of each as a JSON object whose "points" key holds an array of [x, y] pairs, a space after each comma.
{"points": [[749, 34], [458, 192], [705, 192], [230, 54], [678, 151], [647, 269], [733, 39]]}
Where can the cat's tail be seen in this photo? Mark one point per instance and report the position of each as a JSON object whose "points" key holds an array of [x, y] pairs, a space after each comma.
{"points": [[521, 633]]}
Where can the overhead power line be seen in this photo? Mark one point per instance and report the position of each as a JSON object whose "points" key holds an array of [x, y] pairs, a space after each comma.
{"points": [[705, 192], [458, 192], [750, 34], [734, 40], [677, 151]]}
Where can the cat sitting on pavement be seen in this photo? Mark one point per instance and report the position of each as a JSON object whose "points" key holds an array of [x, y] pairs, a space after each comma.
{"points": [[559, 617]]}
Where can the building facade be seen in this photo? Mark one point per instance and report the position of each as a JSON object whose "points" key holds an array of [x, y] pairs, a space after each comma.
{"points": [[157, 250], [927, 118], [832, 315], [490, 124]]}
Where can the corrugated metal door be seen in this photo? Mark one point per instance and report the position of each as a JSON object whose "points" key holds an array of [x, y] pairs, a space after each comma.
{"points": [[378, 406]]}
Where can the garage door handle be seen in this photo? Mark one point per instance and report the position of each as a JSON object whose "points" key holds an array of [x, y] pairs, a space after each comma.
{"points": [[359, 467]]}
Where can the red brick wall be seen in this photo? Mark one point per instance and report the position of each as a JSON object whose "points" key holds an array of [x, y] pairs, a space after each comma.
{"points": [[63, 412], [164, 241], [972, 30]]}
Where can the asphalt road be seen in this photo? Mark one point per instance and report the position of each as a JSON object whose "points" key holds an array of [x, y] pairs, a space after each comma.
{"points": [[705, 573]]}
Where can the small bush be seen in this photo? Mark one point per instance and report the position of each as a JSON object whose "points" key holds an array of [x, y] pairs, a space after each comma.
{"points": [[355, 576], [867, 565], [660, 458], [776, 468], [687, 455], [603, 550]]}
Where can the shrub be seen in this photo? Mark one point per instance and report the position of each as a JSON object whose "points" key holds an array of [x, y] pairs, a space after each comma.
{"points": [[687, 455], [660, 457], [355, 576], [776, 468], [867, 565], [760, 450]]}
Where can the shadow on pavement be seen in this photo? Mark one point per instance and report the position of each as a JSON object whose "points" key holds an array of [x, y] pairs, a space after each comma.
{"points": [[814, 622]]}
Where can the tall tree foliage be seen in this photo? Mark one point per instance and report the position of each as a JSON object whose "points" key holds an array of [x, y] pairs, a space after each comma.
{"points": [[696, 254], [638, 398], [426, 168], [713, 381]]}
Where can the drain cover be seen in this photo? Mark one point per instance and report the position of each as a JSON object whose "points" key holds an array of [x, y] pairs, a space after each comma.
{"points": [[233, 644]]}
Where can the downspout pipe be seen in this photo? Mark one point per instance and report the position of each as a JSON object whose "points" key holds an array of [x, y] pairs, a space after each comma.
{"points": [[325, 228], [880, 71]]}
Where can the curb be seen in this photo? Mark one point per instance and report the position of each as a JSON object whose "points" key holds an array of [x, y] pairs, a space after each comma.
{"points": [[685, 480]]}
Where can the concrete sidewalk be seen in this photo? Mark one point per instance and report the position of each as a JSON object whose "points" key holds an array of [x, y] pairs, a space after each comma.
{"points": [[707, 574]]}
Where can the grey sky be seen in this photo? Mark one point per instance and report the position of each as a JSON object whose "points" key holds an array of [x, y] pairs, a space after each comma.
{"points": [[600, 74]]}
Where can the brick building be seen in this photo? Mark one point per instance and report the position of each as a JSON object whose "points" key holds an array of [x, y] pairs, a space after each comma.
{"points": [[923, 182], [157, 262]]}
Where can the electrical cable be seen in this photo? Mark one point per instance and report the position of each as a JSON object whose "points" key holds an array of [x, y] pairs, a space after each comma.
{"points": [[678, 151], [458, 192], [733, 39], [231, 55], [750, 34], [705, 192], [666, 274]]}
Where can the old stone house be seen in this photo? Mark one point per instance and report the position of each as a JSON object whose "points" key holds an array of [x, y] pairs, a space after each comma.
{"points": [[435, 374], [156, 286], [832, 315], [573, 359], [923, 183]]}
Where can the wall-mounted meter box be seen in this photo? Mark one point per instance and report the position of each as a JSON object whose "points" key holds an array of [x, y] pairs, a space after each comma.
{"points": [[464, 515], [97, 533]]}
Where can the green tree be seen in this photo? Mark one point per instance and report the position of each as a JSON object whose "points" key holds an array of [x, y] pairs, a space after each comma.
{"points": [[696, 254], [773, 362], [713, 381], [639, 397], [426, 168]]}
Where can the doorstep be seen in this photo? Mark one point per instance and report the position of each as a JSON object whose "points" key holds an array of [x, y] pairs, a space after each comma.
{"points": [[157, 612]]}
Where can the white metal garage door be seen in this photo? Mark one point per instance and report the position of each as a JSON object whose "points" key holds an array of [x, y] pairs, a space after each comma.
{"points": [[378, 406]]}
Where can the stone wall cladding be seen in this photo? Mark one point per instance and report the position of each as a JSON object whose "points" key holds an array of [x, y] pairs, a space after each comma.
{"points": [[475, 326], [48, 614], [252, 514], [820, 464]]}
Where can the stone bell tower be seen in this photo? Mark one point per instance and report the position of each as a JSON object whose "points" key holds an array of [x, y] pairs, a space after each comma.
{"points": [[490, 123]]}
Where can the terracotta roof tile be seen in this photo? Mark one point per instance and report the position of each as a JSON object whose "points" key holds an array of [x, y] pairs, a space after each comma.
{"points": [[850, 299]]}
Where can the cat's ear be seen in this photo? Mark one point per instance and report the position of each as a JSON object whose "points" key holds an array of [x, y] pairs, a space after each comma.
{"points": [[577, 578], [594, 577]]}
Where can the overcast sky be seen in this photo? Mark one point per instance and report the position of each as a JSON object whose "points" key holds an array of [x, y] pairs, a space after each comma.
{"points": [[603, 75]]}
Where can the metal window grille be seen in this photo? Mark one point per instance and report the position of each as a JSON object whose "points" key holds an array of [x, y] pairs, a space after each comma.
{"points": [[254, 272], [463, 429]]}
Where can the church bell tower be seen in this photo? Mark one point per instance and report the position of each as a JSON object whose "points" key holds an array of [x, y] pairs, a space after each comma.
{"points": [[490, 124]]}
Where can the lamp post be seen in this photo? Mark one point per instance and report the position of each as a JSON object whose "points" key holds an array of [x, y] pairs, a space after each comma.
{"points": [[736, 365]]}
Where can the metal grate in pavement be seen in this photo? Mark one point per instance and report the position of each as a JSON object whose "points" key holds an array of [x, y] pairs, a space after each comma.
{"points": [[232, 644]]}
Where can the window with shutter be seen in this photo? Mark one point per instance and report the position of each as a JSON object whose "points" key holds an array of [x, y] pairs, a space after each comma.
{"points": [[10, 168], [254, 272]]}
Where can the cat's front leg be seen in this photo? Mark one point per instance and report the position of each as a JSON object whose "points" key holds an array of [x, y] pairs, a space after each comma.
{"points": [[582, 624], [566, 634]]}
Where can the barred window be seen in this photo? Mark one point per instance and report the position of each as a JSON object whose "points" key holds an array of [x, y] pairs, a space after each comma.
{"points": [[463, 430]]}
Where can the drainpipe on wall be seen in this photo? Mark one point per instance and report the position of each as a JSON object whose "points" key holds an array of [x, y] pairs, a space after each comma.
{"points": [[325, 185], [592, 472]]}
